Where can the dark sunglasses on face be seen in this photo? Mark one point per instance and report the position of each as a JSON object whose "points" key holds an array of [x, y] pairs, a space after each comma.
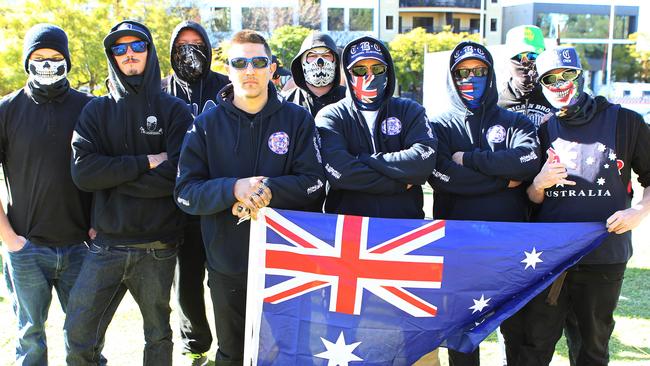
{"points": [[121, 48], [464, 73], [363, 70], [258, 62], [566, 75], [530, 56]]}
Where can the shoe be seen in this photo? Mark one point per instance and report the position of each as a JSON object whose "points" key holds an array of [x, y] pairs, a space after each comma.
{"points": [[196, 359]]}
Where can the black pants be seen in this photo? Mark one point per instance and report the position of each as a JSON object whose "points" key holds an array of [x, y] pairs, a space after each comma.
{"points": [[587, 301], [229, 303], [190, 273], [464, 359]]}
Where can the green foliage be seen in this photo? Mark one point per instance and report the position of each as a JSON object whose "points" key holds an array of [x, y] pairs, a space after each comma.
{"points": [[407, 51], [86, 25], [286, 40], [640, 54]]}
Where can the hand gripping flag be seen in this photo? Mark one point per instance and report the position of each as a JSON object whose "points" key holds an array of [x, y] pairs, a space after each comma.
{"points": [[349, 290]]}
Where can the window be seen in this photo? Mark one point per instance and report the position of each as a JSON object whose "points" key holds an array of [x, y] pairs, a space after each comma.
{"points": [[361, 19], [389, 22], [255, 19], [493, 24], [282, 16], [456, 25], [474, 25], [309, 14], [646, 93], [335, 20], [423, 22], [495, 1], [584, 25], [626, 93], [219, 20]]}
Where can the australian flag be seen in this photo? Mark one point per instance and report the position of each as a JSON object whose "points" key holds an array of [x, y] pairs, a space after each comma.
{"points": [[348, 290]]}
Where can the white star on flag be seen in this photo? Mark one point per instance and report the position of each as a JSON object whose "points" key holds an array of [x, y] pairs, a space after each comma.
{"points": [[590, 160], [532, 258], [479, 304], [601, 181], [339, 353], [612, 156], [602, 147], [606, 166]]}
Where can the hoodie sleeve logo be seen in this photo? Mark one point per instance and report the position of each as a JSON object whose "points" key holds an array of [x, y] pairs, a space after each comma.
{"points": [[391, 126], [496, 134], [279, 142], [152, 127]]}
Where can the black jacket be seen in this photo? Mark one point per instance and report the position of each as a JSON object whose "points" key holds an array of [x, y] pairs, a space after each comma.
{"points": [[499, 146], [370, 182], [533, 105], [201, 95], [224, 145], [132, 203], [44, 206], [301, 94]]}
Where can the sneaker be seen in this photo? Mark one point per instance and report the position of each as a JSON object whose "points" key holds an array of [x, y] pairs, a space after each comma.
{"points": [[197, 359]]}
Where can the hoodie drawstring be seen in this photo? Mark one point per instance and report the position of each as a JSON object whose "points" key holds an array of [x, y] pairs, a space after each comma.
{"points": [[236, 149]]}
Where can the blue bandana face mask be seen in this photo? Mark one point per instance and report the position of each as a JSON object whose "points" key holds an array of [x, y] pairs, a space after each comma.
{"points": [[472, 89], [368, 90]]}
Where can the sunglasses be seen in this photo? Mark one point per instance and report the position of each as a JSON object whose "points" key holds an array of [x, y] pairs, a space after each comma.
{"points": [[477, 71], [258, 62], [566, 75], [529, 56], [363, 70], [136, 46]]}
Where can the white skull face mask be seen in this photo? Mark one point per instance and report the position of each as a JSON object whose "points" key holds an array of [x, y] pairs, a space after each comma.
{"points": [[320, 71], [47, 72]]}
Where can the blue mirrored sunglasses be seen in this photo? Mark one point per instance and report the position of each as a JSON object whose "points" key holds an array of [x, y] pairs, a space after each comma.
{"points": [[136, 46], [258, 62], [530, 56]]}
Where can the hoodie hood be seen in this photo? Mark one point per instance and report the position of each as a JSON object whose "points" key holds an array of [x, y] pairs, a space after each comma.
{"points": [[490, 95], [204, 35], [390, 85], [119, 87], [313, 40]]}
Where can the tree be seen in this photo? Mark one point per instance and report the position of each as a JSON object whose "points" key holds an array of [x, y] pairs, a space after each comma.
{"points": [[407, 51], [286, 41], [641, 54], [86, 25]]}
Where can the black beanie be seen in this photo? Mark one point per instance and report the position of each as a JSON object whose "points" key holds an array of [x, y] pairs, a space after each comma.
{"points": [[45, 36]]}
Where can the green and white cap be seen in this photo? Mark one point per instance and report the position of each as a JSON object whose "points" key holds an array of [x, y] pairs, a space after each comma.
{"points": [[525, 38]]}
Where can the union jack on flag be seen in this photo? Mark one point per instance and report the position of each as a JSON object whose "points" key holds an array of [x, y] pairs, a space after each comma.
{"points": [[348, 290], [361, 87]]}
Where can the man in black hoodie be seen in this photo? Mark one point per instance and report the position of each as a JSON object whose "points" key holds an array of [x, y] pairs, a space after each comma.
{"points": [[484, 152], [125, 150], [316, 72], [47, 217], [591, 148], [523, 93], [377, 149], [253, 150], [198, 86]]}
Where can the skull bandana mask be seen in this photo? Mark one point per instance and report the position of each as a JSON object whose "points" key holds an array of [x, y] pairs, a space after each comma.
{"points": [[47, 72], [320, 72]]}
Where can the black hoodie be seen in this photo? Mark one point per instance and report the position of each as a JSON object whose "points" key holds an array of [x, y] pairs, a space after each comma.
{"points": [[373, 181], [301, 94], [533, 105], [499, 146], [224, 145], [202, 94], [115, 133]]}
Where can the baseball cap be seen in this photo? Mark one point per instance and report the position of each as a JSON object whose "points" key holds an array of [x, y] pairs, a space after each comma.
{"points": [[525, 38], [557, 58], [126, 28], [365, 50]]}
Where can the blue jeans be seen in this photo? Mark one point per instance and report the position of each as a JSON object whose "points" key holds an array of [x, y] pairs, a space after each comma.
{"points": [[30, 274], [106, 275]]}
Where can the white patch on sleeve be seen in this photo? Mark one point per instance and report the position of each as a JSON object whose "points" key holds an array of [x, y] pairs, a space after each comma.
{"points": [[317, 148], [442, 177], [426, 154], [315, 187], [332, 171], [529, 157], [183, 201]]}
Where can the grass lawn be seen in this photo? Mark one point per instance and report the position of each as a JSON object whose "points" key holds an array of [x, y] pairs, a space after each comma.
{"points": [[629, 346]]}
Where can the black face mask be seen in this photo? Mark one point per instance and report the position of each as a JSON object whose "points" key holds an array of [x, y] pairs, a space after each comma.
{"points": [[190, 61], [45, 93], [524, 75]]}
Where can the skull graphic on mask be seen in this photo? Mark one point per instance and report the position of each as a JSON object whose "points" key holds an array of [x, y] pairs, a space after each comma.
{"points": [[320, 71], [47, 72]]}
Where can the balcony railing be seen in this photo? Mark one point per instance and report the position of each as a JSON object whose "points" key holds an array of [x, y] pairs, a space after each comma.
{"points": [[476, 4], [440, 29]]}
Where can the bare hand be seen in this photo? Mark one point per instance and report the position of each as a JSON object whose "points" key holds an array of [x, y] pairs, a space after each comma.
{"points": [[514, 183], [458, 157], [16, 244], [92, 233], [252, 193], [624, 220], [157, 159], [408, 186], [551, 175]]}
